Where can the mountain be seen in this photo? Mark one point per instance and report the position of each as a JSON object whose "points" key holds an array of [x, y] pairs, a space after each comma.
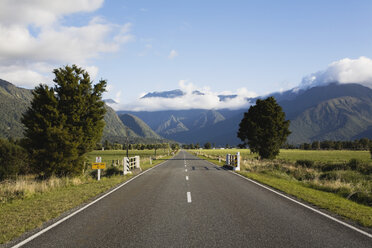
{"points": [[139, 127], [172, 123], [171, 126], [14, 102], [165, 94], [179, 93], [335, 111], [115, 130], [109, 101]]}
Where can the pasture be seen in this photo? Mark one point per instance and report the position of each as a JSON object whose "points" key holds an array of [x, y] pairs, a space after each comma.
{"points": [[320, 156]]}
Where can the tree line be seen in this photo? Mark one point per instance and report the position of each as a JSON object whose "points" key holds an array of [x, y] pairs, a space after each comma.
{"points": [[357, 144]]}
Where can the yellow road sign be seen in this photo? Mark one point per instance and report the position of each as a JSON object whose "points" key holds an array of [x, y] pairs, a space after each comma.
{"points": [[96, 166]]}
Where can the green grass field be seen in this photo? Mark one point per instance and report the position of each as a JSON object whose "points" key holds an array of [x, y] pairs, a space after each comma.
{"points": [[333, 156]]}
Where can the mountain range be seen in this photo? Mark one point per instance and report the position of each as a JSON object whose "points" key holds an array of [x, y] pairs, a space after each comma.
{"points": [[14, 102], [334, 112]]}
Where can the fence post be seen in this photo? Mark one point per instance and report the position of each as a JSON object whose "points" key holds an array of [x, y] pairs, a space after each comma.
{"points": [[137, 162], [237, 167], [126, 166]]}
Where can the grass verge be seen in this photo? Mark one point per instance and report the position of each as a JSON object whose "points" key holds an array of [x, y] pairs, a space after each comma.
{"points": [[21, 215], [357, 212]]}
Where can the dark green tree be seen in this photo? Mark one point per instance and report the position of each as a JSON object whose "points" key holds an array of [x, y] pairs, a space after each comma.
{"points": [[64, 122], [13, 160], [207, 145], [264, 128]]}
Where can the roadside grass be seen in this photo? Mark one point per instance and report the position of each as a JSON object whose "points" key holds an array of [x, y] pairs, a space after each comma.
{"points": [[360, 213], [328, 190], [289, 155], [26, 203]]}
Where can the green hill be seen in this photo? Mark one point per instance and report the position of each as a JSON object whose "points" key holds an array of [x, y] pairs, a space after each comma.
{"points": [[342, 118], [14, 102], [139, 127]]}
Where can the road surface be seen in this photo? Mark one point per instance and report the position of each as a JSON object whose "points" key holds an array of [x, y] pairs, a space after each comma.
{"points": [[188, 202]]}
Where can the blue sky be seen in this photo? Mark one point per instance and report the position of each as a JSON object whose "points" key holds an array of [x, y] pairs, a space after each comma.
{"points": [[255, 47]]}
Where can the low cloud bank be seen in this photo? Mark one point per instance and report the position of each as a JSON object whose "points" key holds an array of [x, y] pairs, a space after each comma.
{"points": [[342, 71], [191, 100]]}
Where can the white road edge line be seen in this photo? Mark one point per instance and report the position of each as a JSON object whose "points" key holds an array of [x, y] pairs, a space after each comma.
{"points": [[188, 197], [308, 207], [187, 178], [81, 209], [304, 205]]}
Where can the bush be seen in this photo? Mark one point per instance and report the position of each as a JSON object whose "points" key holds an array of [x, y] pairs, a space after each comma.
{"points": [[112, 171], [351, 176], [305, 163], [13, 160], [332, 167], [362, 198], [358, 165], [330, 175]]}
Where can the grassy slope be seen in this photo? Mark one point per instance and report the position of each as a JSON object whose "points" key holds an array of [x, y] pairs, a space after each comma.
{"points": [[21, 215], [360, 213]]}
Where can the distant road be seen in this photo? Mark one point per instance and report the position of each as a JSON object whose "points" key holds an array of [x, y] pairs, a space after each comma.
{"points": [[188, 202]]}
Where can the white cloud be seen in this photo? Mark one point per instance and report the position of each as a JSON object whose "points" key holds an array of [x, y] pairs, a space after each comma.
{"points": [[54, 44], [209, 100], [342, 71], [173, 54], [41, 12]]}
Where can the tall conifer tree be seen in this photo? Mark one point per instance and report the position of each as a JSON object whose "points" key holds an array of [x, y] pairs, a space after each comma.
{"points": [[64, 122]]}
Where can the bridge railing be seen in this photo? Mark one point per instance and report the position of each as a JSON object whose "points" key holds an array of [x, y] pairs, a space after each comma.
{"points": [[130, 163], [233, 161]]}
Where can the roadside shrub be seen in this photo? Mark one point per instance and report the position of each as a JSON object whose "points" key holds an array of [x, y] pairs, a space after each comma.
{"points": [[112, 171], [305, 163], [358, 165], [350, 176], [13, 160], [361, 197], [332, 167], [302, 175], [330, 175]]}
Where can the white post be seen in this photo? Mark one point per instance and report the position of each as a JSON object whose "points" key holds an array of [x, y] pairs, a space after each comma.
{"points": [[150, 160], [237, 168], [138, 162], [219, 159], [125, 166], [98, 160], [227, 159]]}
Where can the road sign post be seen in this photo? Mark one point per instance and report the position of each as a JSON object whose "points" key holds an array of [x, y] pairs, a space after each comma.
{"points": [[98, 165]]}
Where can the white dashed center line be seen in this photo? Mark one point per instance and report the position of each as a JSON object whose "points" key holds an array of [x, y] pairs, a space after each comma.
{"points": [[185, 170], [188, 197], [187, 178]]}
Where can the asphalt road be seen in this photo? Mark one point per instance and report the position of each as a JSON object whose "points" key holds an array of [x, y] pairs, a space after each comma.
{"points": [[213, 208]]}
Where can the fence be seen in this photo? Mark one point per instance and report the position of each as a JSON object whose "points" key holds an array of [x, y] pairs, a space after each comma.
{"points": [[233, 161], [130, 164]]}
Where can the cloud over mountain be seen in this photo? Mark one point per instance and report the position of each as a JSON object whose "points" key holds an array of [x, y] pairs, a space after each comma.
{"points": [[190, 97], [342, 71]]}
